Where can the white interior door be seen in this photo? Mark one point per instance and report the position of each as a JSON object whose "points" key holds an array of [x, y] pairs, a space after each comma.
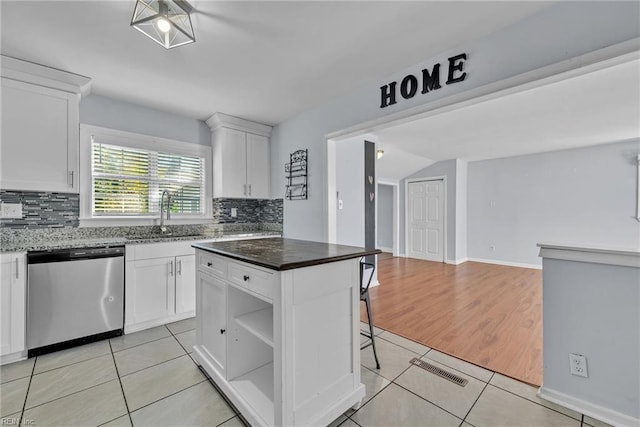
{"points": [[426, 220]]}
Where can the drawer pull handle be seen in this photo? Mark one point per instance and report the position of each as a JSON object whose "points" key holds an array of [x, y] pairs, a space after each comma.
{"points": [[222, 331], [246, 278], [209, 264]]}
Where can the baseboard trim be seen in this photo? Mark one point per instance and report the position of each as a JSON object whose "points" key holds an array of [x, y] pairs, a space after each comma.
{"points": [[385, 249], [136, 327], [507, 263], [598, 412], [13, 357], [456, 261]]}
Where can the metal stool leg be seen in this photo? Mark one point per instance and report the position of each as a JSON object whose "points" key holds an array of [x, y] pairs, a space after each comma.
{"points": [[373, 342]]}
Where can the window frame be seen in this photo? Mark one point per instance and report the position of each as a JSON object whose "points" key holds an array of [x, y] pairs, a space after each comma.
{"points": [[143, 142]]}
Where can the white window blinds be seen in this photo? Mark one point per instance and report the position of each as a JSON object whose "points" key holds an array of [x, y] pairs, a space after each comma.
{"points": [[129, 181]]}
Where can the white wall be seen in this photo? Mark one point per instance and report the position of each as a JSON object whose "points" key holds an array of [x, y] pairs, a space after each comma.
{"points": [[114, 114], [350, 188], [543, 39], [385, 216], [582, 196]]}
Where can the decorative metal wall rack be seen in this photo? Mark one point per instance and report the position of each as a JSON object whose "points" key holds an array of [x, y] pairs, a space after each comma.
{"points": [[296, 175]]}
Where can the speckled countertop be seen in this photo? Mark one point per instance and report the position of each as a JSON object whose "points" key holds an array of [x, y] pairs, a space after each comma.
{"points": [[284, 254], [37, 240]]}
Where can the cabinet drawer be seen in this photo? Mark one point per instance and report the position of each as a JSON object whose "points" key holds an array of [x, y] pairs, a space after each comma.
{"points": [[212, 264], [255, 280]]}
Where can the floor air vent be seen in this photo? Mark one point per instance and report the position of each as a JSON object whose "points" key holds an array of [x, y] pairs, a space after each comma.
{"points": [[439, 372]]}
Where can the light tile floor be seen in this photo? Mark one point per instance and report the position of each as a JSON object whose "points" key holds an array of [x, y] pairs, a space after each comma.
{"points": [[149, 379]]}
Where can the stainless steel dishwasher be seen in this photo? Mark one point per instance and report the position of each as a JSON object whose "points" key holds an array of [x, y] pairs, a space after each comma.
{"points": [[74, 296]]}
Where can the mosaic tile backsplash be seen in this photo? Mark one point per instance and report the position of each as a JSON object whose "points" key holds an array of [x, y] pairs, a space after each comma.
{"points": [[42, 210], [248, 211]]}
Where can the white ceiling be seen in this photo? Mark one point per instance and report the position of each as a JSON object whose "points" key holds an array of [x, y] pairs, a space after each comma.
{"points": [[595, 108], [263, 61]]}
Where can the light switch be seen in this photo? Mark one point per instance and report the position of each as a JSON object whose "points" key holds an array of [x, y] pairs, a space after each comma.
{"points": [[11, 210], [234, 212], [339, 204]]}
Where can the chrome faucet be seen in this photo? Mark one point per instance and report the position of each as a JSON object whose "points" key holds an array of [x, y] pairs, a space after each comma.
{"points": [[165, 192]]}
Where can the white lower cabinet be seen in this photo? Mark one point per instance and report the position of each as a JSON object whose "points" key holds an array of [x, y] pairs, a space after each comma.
{"points": [[283, 346], [212, 324], [12, 306], [159, 290], [150, 286], [185, 284]]}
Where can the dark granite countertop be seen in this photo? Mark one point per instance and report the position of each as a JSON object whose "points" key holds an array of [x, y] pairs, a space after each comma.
{"points": [[284, 254]]}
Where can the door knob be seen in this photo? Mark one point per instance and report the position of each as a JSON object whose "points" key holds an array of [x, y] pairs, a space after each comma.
{"points": [[222, 331], [246, 278]]}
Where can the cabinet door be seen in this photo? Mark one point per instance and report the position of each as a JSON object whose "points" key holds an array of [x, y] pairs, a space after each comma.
{"points": [[212, 319], [12, 304], [39, 138], [185, 284], [150, 290], [258, 167], [230, 163]]}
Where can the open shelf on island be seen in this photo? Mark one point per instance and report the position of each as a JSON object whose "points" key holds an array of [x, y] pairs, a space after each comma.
{"points": [[256, 387], [259, 323]]}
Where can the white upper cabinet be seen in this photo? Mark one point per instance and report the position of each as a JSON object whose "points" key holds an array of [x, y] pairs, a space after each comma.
{"points": [[40, 126], [240, 158], [258, 170], [229, 163]]}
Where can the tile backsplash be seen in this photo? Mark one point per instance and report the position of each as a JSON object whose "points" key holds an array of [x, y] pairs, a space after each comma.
{"points": [[247, 211], [45, 210], [42, 209]]}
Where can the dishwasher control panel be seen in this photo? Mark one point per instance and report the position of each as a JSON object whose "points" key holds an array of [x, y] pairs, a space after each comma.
{"points": [[74, 254]]}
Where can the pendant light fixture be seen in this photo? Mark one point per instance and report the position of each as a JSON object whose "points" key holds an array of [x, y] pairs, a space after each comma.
{"points": [[166, 22]]}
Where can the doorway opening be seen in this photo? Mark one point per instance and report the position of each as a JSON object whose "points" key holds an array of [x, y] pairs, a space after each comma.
{"points": [[496, 149]]}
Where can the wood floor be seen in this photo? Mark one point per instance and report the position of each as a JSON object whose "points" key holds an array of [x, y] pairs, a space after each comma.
{"points": [[489, 315]]}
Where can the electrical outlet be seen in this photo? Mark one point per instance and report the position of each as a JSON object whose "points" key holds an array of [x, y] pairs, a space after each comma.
{"points": [[11, 210], [578, 365], [340, 204], [492, 248], [234, 212]]}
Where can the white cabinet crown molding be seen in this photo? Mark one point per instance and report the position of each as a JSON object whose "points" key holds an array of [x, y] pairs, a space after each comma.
{"points": [[29, 72], [219, 120]]}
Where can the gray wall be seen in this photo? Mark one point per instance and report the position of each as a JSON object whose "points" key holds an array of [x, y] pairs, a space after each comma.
{"points": [[350, 187], [593, 310], [385, 216], [110, 113], [585, 195], [543, 39], [448, 170]]}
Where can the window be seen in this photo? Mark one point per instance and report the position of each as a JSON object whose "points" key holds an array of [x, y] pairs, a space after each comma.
{"points": [[126, 177], [129, 181]]}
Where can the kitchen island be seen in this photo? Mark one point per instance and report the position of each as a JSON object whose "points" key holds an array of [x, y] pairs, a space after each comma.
{"points": [[278, 327]]}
